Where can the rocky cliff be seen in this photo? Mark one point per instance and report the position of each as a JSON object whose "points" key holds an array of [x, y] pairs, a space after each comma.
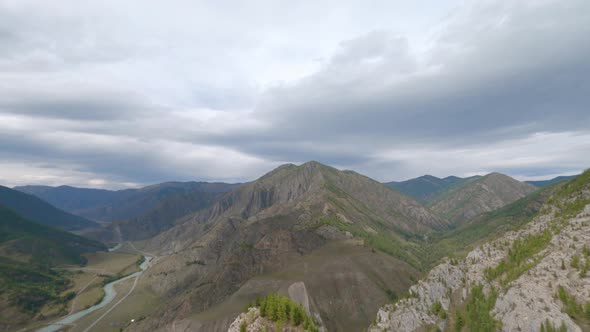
{"points": [[526, 280]]}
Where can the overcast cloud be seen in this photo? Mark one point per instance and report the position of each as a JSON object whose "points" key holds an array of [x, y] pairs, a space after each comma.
{"points": [[125, 93]]}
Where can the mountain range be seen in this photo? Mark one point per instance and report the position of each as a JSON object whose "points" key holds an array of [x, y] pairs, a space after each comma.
{"points": [[426, 188], [543, 183], [477, 195], [270, 227], [337, 242], [36, 209], [459, 199], [108, 206]]}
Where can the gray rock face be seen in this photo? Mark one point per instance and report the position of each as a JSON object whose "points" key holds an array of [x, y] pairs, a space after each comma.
{"points": [[298, 293], [251, 319], [254, 323], [531, 298], [333, 233], [523, 304]]}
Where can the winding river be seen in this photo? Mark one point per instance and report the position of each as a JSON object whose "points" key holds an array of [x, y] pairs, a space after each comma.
{"points": [[116, 247], [110, 294]]}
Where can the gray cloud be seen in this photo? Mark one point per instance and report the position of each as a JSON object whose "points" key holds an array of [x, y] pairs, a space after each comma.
{"points": [[528, 74], [103, 108], [171, 93]]}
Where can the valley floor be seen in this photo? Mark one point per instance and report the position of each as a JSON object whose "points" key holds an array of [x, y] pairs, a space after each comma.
{"points": [[88, 282]]}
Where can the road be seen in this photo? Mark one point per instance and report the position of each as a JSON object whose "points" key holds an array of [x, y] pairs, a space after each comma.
{"points": [[118, 302], [149, 257], [70, 319]]}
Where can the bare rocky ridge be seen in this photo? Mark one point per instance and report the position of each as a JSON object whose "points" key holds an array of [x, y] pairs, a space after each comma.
{"points": [[479, 195], [524, 303], [263, 227]]}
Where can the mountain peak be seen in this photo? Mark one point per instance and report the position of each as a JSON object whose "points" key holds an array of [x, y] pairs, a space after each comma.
{"points": [[303, 172], [429, 177], [496, 175], [315, 165], [313, 186], [312, 163]]}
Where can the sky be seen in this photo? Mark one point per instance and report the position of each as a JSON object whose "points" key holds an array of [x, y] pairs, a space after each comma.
{"points": [[116, 94]]}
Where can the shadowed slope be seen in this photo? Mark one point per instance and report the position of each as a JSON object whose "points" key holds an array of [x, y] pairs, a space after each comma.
{"points": [[41, 212], [107, 205]]}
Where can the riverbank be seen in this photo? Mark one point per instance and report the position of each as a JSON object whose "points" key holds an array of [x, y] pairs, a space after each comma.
{"points": [[110, 294]]}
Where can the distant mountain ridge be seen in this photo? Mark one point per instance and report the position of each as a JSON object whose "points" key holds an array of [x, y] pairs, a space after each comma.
{"points": [[162, 217], [478, 195], [37, 210], [543, 183], [39, 243], [427, 187], [109, 206]]}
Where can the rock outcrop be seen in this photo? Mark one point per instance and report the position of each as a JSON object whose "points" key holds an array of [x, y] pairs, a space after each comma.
{"points": [[252, 320], [531, 298]]}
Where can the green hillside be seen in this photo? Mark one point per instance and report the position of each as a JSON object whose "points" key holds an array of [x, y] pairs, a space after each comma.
{"points": [[39, 244], [479, 195], [37, 210], [427, 187], [486, 226], [543, 183], [28, 250]]}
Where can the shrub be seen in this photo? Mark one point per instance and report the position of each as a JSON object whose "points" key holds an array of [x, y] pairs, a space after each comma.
{"points": [[476, 314], [391, 294], [516, 262], [282, 310], [548, 327], [575, 261], [438, 310], [567, 300], [459, 322]]}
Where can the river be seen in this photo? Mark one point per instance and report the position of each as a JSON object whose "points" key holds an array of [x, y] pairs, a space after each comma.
{"points": [[116, 247], [110, 294]]}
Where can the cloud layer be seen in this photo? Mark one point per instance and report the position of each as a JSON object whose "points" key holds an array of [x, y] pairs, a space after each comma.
{"points": [[111, 95]]}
